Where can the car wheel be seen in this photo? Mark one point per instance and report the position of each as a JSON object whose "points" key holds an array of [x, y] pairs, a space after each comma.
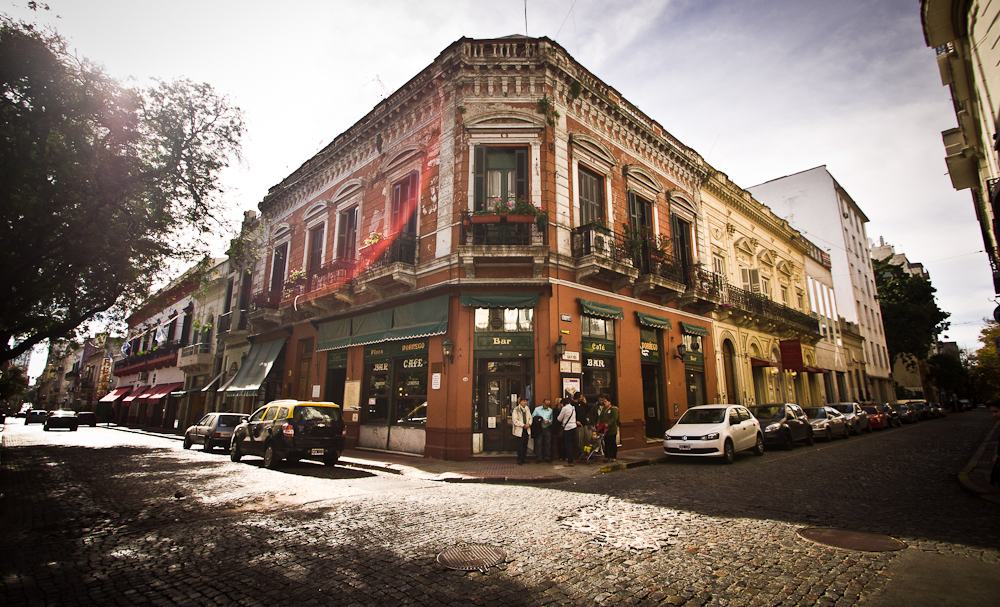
{"points": [[73, 428], [271, 458], [829, 435], [208, 445], [869, 428], [788, 443], [187, 442], [728, 452], [331, 460], [847, 433], [45, 427], [758, 449], [235, 454]]}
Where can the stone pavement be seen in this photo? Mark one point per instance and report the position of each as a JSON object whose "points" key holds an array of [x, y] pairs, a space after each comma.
{"points": [[974, 476]]}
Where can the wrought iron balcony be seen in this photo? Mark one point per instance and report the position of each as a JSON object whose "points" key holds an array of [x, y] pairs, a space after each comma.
{"points": [[142, 360], [502, 230], [226, 323], [756, 307], [604, 255]]}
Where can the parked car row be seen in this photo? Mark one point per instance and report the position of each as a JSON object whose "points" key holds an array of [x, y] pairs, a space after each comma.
{"points": [[724, 430], [60, 418]]}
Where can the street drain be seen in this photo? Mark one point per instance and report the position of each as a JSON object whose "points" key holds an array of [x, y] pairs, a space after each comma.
{"points": [[852, 540], [472, 557]]}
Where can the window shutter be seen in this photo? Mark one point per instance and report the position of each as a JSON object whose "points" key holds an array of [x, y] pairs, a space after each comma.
{"points": [[413, 203], [479, 177], [755, 281], [633, 219], [745, 278], [342, 234], [521, 174], [397, 206]]}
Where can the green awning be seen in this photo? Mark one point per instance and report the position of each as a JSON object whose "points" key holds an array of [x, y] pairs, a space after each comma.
{"points": [[603, 310], [657, 322], [255, 368], [419, 319], [500, 300], [694, 329], [370, 328], [333, 335]]}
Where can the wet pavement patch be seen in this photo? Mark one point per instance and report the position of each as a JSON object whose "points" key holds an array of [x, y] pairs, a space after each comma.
{"points": [[472, 557], [852, 540]]}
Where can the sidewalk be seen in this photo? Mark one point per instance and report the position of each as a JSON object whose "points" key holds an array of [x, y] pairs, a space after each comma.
{"points": [[479, 469], [975, 476]]}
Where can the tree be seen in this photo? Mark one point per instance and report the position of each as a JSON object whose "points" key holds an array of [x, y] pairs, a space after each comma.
{"points": [[910, 315], [101, 186], [984, 366], [13, 382]]}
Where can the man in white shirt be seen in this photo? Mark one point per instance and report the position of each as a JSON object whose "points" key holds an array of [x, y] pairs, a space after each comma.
{"points": [[521, 418]]}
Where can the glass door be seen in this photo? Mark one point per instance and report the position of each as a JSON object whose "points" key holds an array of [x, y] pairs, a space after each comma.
{"points": [[501, 384]]}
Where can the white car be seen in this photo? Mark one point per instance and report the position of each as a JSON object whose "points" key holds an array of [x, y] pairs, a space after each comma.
{"points": [[714, 431]]}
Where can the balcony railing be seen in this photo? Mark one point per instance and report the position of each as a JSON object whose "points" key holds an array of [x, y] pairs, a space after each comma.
{"points": [[761, 306], [162, 350], [225, 321], [400, 249], [196, 349], [265, 300], [501, 230], [602, 242]]}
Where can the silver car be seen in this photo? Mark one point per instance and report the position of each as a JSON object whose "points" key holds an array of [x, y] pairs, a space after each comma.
{"points": [[857, 419], [213, 430], [828, 422]]}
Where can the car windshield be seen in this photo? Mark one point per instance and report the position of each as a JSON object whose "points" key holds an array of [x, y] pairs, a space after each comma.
{"points": [[230, 421], [769, 412], [703, 416], [843, 408], [318, 413], [870, 409], [815, 412]]}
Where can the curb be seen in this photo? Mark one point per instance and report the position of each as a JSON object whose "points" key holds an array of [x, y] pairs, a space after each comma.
{"points": [[963, 475]]}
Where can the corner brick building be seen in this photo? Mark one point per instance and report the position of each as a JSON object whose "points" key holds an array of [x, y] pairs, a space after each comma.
{"points": [[390, 281]]}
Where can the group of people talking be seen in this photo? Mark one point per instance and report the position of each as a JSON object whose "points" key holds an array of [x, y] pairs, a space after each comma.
{"points": [[575, 424]]}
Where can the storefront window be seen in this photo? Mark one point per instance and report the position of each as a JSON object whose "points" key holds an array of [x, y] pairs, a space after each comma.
{"points": [[411, 391], [378, 392], [598, 328], [505, 319]]}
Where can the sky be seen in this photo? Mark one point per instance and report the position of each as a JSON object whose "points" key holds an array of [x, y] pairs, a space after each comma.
{"points": [[760, 88]]}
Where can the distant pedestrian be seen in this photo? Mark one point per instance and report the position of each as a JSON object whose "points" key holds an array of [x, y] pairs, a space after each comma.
{"points": [[583, 411], [543, 439], [521, 419], [995, 473], [609, 415], [557, 437], [567, 417]]}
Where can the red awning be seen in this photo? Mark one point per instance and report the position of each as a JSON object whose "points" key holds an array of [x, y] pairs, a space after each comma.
{"points": [[159, 391], [816, 370], [115, 394], [757, 362], [135, 393]]}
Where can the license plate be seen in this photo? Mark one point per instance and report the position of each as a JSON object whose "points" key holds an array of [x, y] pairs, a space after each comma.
{"points": [[684, 447], [316, 452]]}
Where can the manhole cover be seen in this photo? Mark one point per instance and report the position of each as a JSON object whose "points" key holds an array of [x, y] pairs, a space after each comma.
{"points": [[852, 540], [471, 557]]}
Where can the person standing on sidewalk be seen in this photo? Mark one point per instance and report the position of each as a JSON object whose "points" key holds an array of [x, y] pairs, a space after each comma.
{"points": [[567, 417], [543, 440], [521, 418], [609, 416]]}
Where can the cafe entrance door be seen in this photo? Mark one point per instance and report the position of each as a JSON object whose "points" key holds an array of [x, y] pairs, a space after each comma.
{"points": [[500, 384]]}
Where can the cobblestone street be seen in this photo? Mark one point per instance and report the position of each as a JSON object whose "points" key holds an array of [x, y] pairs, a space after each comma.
{"points": [[102, 517]]}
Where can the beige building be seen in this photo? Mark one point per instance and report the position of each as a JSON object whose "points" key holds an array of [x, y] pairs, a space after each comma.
{"points": [[965, 35], [765, 331]]}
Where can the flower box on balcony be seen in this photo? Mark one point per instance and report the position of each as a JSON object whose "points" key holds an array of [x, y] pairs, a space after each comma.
{"points": [[486, 218], [511, 218]]}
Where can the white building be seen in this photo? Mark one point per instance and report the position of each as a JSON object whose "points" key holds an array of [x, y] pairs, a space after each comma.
{"points": [[815, 204]]}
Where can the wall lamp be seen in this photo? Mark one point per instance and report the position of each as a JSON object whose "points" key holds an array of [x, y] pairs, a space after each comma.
{"points": [[560, 348], [681, 351], [448, 349]]}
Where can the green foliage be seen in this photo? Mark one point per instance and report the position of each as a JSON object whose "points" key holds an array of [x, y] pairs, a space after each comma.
{"points": [[947, 372], [101, 185], [13, 382], [910, 315], [984, 366], [548, 109]]}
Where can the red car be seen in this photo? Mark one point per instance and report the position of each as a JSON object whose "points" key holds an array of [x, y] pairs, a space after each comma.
{"points": [[879, 420]]}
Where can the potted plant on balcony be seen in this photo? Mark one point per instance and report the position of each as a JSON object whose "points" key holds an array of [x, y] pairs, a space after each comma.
{"points": [[490, 213], [599, 225], [522, 211], [297, 277]]}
